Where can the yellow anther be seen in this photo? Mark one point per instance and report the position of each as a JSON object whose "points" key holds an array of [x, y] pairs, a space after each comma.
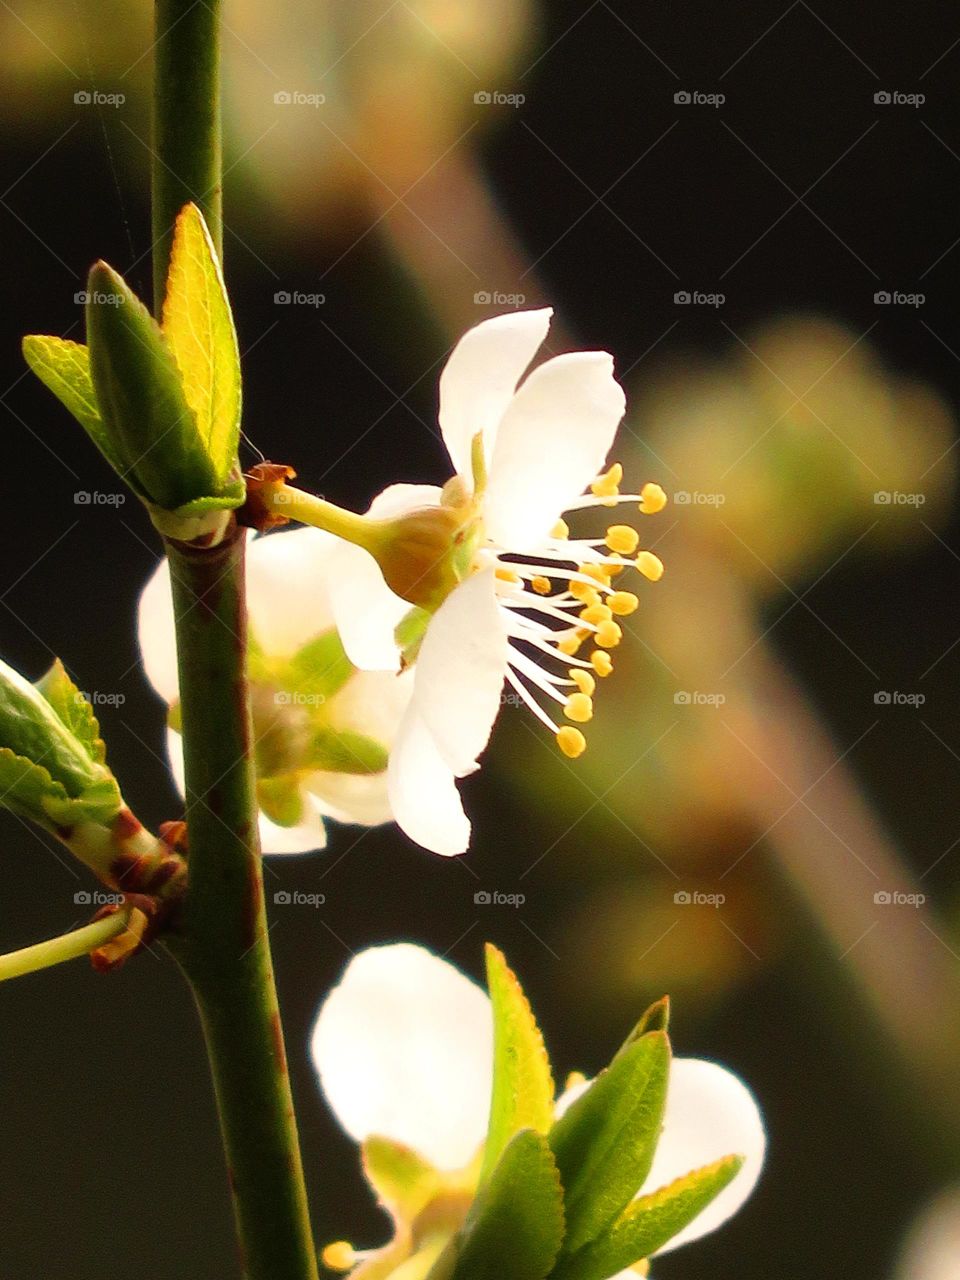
{"points": [[541, 585], [583, 680], [652, 499], [579, 707], [506, 574], [650, 566], [571, 741], [607, 486], [596, 613], [608, 635], [574, 1080], [598, 572], [611, 570], [339, 1256], [622, 603], [601, 662], [569, 645], [583, 591], [622, 539], [560, 530]]}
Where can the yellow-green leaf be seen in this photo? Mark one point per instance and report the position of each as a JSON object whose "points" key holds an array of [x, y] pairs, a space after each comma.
{"points": [[523, 1091], [198, 325]]}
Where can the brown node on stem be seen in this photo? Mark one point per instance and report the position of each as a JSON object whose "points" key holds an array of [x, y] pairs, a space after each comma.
{"points": [[146, 918], [255, 514]]}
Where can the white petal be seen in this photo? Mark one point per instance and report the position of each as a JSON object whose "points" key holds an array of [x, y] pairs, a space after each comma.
{"points": [[306, 837], [403, 1048], [480, 376], [155, 632], [553, 440], [460, 671], [366, 610], [933, 1242], [360, 799], [288, 588], [423, 793], [710, 1113]]}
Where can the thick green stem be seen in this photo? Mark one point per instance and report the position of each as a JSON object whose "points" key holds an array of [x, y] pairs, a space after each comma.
{"points": [[223, 946], [187, 142]]}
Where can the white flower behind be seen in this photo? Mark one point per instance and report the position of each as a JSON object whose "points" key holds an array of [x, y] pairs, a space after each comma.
{"points": [[288, 585], [529, 596]]}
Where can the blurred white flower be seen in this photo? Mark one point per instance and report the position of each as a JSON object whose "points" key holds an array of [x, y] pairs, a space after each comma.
{"points": [[932, 1248], [322, 728], [525, 596]]}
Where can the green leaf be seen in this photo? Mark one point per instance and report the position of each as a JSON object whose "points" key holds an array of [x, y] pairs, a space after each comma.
{"points": [[25, 785], [515, 1227], [64, 368], [141, 398], [30, 727], [404, 1181], [73, 709], [604, 1144], [649, 1222], [198, 325], [523, 1091]]}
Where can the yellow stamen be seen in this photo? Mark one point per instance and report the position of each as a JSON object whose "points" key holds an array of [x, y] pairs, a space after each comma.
{"points": [[652, 499], [506, 574], [608, 635], [650, 566], [623, 539], [574, 1080], [579, 707], [541, 585], [611, 570], [583, 591], [560, 530], [596, 613], [571, 741], [569, 645], [339, 1256], [583, 680], [601, 662], [622, 603], [607, 486], [597, 572]]}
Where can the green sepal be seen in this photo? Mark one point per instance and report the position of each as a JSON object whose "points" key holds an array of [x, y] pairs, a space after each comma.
{"points": [[403, 1181], [281, 799], [320, 669], [141, 397], [649, 1222], [343, 751], [515, 1226], [605, 1142], [523, 1089]]}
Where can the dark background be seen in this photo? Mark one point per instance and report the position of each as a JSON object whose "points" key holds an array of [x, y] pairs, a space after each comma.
{"points": [[110, 1158]]}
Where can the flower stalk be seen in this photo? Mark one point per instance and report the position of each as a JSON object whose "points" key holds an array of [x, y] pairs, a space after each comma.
{"points": [[67, 946]]}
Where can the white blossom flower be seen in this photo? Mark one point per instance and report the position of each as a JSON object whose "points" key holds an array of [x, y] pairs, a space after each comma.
{"points": [[403, 1048], [519, 596], [322, 728]]}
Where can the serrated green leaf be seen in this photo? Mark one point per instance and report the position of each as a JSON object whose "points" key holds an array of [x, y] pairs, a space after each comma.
{"points": [[649, 1222], [523, 1091], [404, 1181], [24, 785], [605, 1143], [30, 727], [64, 368], [141, 398], [198, 325], [73, 709], [515, 1227]]}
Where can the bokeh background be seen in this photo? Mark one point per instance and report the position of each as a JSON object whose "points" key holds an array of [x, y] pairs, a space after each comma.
{"points": [[781, 730]]}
